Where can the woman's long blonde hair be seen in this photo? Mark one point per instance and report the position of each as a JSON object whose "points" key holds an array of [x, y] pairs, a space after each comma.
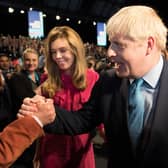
{"points": [[53, 82]]}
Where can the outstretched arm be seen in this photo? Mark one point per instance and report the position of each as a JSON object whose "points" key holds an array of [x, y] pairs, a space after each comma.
{"points": [[20, 134], [16, 137]]}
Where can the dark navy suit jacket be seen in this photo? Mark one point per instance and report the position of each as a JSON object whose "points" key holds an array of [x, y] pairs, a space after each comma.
{"points": [[109, 104]]}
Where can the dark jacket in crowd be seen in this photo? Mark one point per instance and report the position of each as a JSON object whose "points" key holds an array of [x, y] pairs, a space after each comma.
{"points": [[20, 87]]}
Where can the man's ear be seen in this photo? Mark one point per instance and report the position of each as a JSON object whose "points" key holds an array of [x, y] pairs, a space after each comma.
{"points": [[150, 45]]}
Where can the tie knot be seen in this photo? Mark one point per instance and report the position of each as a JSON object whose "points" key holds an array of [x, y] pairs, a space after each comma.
{"points": [[138, 82], [136, 85]]}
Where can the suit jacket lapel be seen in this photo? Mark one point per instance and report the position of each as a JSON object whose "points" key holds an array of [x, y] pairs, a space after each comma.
{"points": [[161, 114], [158, 118], [124, 109], [124, 95]]}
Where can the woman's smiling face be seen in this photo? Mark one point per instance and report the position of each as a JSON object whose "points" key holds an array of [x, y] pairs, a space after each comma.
{"points": [[62, 54]]}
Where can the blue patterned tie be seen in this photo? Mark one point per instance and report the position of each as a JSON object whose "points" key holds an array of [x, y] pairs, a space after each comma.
{"points": [[136, 112]]}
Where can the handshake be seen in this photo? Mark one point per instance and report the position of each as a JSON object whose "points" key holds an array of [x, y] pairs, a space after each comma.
{"points": [[40, 108]]}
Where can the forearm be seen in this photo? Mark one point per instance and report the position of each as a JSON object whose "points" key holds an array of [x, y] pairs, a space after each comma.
{"points": [[16, 137], [73, 123]]}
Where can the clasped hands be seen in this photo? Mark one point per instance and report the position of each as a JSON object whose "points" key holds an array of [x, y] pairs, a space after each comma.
{"points": [[39, 107]]}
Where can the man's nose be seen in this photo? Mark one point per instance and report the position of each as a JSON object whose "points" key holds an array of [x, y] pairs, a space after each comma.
{"points": [[111, 52]]}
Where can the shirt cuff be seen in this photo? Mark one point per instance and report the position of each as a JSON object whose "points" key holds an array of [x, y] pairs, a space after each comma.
{"points": [[38, 121]]}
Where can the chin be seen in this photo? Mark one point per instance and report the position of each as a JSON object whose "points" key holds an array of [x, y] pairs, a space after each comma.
{"points": [[122, 74]]}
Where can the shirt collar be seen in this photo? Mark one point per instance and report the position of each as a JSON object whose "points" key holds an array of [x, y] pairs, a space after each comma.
{"points": [[152, 77]]}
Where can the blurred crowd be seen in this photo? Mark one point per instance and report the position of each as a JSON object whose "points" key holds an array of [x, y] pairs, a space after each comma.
{"points": [[13, 47]]}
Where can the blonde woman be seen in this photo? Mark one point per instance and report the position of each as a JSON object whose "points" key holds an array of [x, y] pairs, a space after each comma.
{"points": [[69, 82]]}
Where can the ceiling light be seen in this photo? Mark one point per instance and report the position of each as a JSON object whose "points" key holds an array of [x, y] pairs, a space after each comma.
{"points": [[94, 23], [79, 21], [10, 10], [58, 17], [67, 19], [22, 11]]}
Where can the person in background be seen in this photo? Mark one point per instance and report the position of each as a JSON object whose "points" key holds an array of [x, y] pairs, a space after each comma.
{"points": [[20, 134], [6, 66], [41, 64], [91, 62], [21, 85], [5, 103], [137, 38], [69, 83]]}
